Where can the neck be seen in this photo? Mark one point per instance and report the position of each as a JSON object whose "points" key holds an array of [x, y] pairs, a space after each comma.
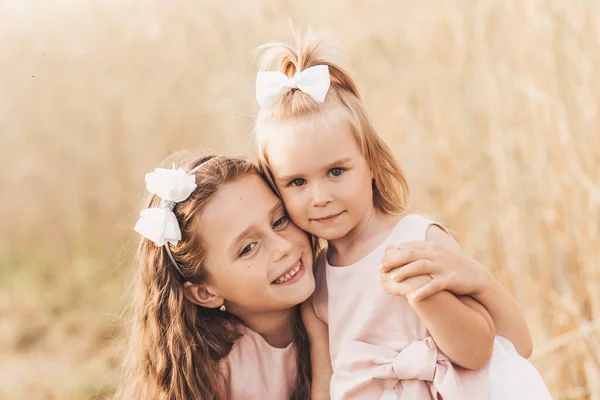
{"points": [[276, 327], [373, 228]]}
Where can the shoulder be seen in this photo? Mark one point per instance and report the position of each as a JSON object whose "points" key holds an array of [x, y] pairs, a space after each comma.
{"points": [[419, 227], [438, 234]]}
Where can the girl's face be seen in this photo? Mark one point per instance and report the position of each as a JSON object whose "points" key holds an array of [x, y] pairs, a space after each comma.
{"points": [[323, 178], [257, 259]]}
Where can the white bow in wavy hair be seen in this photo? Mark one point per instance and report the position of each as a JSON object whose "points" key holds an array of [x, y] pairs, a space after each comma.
{"points": [[271, 85], [173, 186]]}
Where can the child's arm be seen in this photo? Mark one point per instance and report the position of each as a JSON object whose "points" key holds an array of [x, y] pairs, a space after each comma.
{"points": [[461, 328], [505, 312], [318, 335], [450, 270]]}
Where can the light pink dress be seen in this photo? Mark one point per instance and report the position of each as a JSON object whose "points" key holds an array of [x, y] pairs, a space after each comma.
{"points": [[256, 370], [380, 349]]}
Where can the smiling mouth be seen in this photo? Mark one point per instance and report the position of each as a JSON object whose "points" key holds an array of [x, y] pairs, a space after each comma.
{"points": [[289, 274]]}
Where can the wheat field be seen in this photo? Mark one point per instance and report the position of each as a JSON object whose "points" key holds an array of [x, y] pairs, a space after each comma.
{"points": [[492, 107]]}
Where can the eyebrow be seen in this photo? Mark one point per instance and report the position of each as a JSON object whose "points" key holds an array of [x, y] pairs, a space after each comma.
{"points": [[273, 211], [288, 178]]}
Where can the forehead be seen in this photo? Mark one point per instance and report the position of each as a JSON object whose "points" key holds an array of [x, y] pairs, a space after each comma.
{"points": [[236, 206], [306, 145]]}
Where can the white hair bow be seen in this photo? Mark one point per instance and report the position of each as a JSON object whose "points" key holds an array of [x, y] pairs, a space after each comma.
{"points": [[173, 186], [271, 85]]}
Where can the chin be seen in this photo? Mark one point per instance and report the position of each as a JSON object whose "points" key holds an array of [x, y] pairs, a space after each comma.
{"points": [[332, 234], [304, 292], [298, 293]]}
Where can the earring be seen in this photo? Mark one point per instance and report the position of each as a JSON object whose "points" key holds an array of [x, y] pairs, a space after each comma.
{"points": [[223, 308]]}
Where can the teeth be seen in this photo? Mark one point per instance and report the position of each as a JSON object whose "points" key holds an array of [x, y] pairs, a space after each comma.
{"points": [[287, 276]]}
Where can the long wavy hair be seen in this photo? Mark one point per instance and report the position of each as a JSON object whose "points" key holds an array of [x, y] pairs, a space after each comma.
{"points": [[175, 346]]}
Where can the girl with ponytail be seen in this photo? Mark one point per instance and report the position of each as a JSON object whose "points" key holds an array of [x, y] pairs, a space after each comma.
{"points": [[409, 329]]}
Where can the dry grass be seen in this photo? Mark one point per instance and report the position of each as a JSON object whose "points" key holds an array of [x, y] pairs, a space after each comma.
{"points": [[493, 108]]}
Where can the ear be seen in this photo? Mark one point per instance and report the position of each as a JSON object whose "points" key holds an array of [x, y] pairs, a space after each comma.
{"points": [[203, 295]]}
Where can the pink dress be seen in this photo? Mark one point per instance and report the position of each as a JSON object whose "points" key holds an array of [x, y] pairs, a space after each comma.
{"points": [[256, 370], [380, 349]]}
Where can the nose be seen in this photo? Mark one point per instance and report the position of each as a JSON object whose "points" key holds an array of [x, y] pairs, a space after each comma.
{"points": [[282, 247], [320, 197]]}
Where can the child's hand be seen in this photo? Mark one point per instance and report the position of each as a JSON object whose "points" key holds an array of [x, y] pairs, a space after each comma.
{"points": [[438, 267], [388, 276]]}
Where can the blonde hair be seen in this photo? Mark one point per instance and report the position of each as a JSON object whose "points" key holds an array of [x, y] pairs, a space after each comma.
{"points": [[175, 346], [390, 188]]}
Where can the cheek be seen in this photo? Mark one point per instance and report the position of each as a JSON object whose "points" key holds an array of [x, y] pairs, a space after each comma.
{"points": [[294, 203], [239, 273], [247, 280], [358, 190], [297, 236]]}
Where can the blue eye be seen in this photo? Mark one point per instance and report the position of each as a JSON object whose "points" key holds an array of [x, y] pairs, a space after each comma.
{"points": [[336, 171], [297, 182]]}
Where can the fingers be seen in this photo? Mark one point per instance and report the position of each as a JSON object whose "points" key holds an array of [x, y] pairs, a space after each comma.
{"points": [[404, 287], [436, 285], [393, 288], [390, 250], [413, 245], [395, 258], [396, 289], [416, 268], [416, 245], [429, 245]]}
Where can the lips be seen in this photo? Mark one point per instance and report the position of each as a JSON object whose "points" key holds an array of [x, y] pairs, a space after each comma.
{"points": [[327, 218], [289, 273]]}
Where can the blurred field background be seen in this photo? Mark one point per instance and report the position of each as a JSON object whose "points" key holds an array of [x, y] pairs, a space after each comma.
{"points": [[492, 107]]}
